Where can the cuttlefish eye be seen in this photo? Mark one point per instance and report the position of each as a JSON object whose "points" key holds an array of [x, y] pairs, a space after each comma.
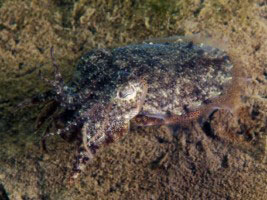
{"points": [[127, 92]]}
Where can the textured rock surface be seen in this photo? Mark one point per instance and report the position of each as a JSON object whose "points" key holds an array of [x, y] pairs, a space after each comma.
{"points": [[223, 159]]}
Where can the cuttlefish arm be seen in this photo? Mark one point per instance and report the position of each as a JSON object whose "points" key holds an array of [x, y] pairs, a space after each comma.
{"points": [[105, 135]]}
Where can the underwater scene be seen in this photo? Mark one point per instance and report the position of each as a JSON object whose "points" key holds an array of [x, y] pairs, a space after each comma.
{"points": [[135, 100]]}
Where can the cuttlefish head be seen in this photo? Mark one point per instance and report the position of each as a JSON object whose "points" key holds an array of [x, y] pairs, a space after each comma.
{"points": [[108, 122]]}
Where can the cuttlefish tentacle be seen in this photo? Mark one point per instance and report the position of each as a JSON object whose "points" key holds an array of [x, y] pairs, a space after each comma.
{"points": [[156, 120]]}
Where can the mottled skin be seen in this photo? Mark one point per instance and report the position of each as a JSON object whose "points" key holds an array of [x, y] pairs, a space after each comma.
{"points": [[150, 84]]}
